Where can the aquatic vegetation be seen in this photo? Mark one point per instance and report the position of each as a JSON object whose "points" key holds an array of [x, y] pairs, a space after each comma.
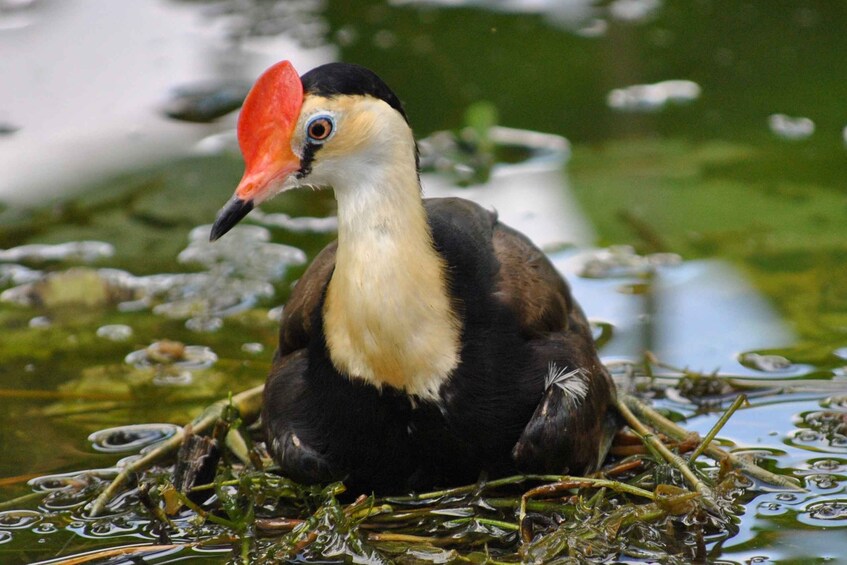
{"points": [[650, 504], [665, 193]]}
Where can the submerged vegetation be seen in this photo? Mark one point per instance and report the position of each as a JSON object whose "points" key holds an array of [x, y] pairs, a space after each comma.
{"points": [[648, 502]]}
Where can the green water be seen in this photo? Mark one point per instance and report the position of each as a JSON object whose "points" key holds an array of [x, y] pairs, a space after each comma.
{"points": [[757, 217]]}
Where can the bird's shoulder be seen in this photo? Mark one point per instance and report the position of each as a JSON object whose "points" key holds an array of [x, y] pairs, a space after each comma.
{"points": [[503, 262]]}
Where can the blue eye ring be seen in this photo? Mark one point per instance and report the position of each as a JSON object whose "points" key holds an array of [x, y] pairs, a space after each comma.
{"points": [[319, 128]]}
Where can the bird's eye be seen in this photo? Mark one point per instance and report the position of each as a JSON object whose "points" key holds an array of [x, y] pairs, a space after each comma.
{"points": [[319, 128]]}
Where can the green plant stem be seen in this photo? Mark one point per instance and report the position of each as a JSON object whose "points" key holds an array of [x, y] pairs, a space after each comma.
{"points": [[487, 522], [248, 404], [673, 430], [518, 479], [206, 515], [667, 454], [25, 499], [739, 400]]}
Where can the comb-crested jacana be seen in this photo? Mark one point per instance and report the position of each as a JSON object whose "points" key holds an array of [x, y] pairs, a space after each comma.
{"points": [[430, 342]]}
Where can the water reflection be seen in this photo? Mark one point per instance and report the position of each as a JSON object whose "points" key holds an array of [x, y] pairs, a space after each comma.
{"points": [[91, 98]]}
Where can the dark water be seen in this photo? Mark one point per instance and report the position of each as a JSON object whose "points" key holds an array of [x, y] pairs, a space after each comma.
{"points": [[726, 184]]}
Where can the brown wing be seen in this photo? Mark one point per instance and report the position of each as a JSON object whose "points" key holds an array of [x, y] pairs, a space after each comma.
{"points": [[299, 312], [567, 432], [530, 285]]}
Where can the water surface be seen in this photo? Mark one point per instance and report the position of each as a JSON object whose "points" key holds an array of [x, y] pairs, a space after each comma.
{"points": [[706, 140]]}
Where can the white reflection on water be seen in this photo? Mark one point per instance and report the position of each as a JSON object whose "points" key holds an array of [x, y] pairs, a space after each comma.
{"points": [[700, 314], [85, 80], [533, 196]]}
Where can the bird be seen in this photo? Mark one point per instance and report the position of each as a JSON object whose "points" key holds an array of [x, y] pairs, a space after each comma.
{"points": [[430, 344]]}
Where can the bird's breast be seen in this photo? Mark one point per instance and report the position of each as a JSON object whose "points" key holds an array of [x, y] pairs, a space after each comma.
{"points": [[388, 317]]}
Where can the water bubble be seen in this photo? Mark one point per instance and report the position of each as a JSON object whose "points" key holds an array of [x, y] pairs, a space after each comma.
{"points": [[828, 510], [664, 259], [252, 347], [84, 251], [297, 225], [822, 481], [132, 437], [78, 286], [265, 260], [653, 97], [40, 322], [45, 528], [767, 363], [109, 528], [807, 436], [829, 465], [71, 490], [835, 402], [791, 128], [770, 509], [828, 422], [596, 27], [204, 324], [115, 332], [182, 378], [167, 352], [18, 519], [5, 537], [18, 275], [634, 11], [233, 282], [49, 483], [786, 497]]}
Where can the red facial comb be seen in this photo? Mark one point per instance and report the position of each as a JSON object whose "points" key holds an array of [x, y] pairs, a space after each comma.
{"points": [[269, 114]]}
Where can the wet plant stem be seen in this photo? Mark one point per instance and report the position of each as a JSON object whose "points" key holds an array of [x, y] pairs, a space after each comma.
{"points": [[740, 381], [247, 404], [740, 400], [667, 454], [673, 430], [518, 479], [206, 515], [487, 522], [408, 538], [118, 552], [23, 500], [568, 483]]}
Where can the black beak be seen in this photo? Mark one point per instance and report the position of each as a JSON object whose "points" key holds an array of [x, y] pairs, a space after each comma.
{"points": [[230, 215]]}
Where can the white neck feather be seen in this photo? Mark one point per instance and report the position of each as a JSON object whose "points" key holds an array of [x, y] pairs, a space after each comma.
{"points": [[388, 318]]}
